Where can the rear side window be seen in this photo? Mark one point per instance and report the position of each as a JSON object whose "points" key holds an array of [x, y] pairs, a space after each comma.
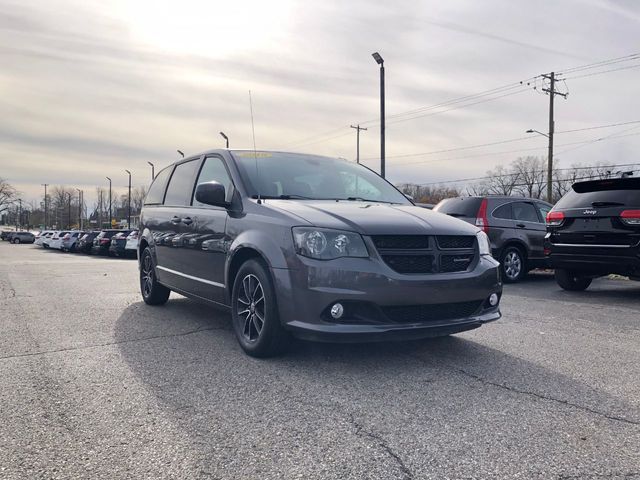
{"points": [[155, 194], [504, 212], [459, 207], [525, 212], [625, 192], [181, 184]]}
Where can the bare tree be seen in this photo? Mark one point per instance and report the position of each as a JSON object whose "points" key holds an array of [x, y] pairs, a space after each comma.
{"points": [[532, 174], [499, 181], [8, 194]]}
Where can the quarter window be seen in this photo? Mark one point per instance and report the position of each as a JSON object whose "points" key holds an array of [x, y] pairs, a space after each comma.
{"points": [[181, 184], [156, 190], [543, 209]]}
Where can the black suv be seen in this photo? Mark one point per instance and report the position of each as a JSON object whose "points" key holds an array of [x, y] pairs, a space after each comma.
{"points": [[515, 226], [594, 230], [315, 247]]}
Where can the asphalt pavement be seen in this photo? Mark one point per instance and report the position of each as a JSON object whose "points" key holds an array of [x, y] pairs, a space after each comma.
{"points": [[96, 384]]}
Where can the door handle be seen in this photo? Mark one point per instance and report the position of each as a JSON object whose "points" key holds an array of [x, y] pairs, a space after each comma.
{"points": [[175, 220], [187, 221], [520, 225]]}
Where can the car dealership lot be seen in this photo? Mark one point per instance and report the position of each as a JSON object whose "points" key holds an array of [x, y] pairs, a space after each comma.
{"points": [[97, 384]]}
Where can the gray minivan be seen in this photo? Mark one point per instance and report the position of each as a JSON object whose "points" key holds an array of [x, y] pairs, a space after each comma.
{"points": [[515, 226], [313, 247]]}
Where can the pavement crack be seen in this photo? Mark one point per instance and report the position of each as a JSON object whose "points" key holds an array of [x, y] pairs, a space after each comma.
{"points": [[361, 431], [107, 344], [541, 396]]}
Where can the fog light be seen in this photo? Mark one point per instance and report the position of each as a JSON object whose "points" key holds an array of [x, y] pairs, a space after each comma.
{"points": [[493, 299], [337, 310]]}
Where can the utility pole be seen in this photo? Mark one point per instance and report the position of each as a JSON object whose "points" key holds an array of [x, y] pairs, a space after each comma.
{"points": [[109, 202], [79, 208], [69, 218], [19, 222], [45, 185], [358, 128], [552, 93], [129, 201]]}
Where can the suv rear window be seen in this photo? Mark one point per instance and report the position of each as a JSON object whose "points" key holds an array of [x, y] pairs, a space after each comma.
{"points": [[459, 207], [625, 191]]}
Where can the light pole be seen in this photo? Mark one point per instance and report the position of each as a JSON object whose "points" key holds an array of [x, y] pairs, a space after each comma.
{"points": [[45, 185], [549, 162], [129, 202], [79, 208], [226, 138], [69, 212], [153, 171], [376, 56], [180, 152], [19, 222], [109, 202]]}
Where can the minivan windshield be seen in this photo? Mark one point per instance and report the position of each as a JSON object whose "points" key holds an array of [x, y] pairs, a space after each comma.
{"points": [[310, 177]]}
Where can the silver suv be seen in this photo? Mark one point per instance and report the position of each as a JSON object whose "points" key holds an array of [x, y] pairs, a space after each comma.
{"points": [[313, 247]]}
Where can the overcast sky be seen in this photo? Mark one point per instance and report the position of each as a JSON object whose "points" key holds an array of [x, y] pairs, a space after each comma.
{"points": [[91, 87]]}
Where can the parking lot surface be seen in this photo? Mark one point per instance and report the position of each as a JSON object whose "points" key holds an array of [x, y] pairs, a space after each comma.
{"points": [[96, 384]]}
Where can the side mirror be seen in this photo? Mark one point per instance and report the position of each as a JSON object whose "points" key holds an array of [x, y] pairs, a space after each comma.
{"points": [[212, 193]]}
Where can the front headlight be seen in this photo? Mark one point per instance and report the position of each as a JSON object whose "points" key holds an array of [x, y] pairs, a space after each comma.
{"points": [[483, 243], [325, 244]]}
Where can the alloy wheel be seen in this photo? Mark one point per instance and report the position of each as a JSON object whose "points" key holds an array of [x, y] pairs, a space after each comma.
{"points": [[147, 275], [251, 307], [512, 265]]}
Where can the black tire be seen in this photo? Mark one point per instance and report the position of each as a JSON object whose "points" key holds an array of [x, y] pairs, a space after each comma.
{"points": [[16, 241], [568, 280], [513, 264], [153, 293], [254, 312]]}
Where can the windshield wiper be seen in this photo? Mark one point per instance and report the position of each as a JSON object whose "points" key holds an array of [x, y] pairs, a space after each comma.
{"points": [[284, 197], [607, 204], [360, 199]]}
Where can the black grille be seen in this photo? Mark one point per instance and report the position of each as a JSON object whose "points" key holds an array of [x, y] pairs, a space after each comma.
{"points": [[431, 313], [401, 242], [410, 263], [455, 241], [455, 263]]}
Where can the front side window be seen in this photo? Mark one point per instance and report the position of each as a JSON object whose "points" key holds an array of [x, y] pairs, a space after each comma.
{"points": [[525, 212], [180, 186], [290, 175], [214, 170]]}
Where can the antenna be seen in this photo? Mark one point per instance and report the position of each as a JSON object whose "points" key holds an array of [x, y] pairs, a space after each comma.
{"points": [[255, 153]]}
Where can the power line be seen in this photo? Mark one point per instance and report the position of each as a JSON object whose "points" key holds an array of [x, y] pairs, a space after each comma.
{"points": [[461, 180], [605, 71], [600, 64]]}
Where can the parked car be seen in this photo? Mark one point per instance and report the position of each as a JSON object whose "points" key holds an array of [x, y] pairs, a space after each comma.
{"points": [[594, 230], [102, 242], [56, 239], [515, 226], [310, 246], [118, 243], [131, 246], [21, 237], [70, 240], [47, 239], [40, 236], [4, 235], [85, 242]]}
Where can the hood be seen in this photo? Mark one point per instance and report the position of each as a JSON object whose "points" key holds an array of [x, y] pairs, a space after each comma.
{"points": [[369, 218]]}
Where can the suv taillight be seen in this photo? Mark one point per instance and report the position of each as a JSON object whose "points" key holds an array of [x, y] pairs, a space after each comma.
{"points": [[555, 219], [630, 217], [481, 217]]}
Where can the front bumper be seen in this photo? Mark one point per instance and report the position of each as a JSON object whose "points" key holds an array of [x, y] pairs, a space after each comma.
{"points": [[369, 290]]}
